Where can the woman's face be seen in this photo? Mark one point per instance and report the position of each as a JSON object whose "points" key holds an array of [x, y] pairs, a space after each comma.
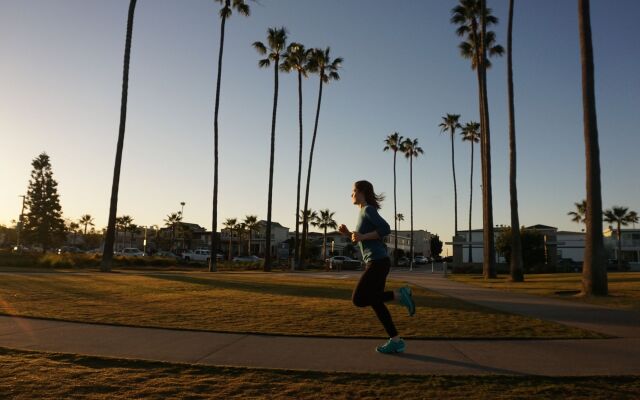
{"points": [[356, 196]]}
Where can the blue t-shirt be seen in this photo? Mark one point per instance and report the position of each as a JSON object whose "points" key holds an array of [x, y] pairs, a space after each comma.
{"points": [[368, 221]]}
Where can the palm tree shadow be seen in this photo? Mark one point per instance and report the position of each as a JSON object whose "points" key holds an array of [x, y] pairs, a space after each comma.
{"points": [[461, 364]]}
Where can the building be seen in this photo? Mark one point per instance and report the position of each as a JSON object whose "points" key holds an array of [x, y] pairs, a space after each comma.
{"points": [[558, 245], [254, 242], [421, 242], [630, 241]]}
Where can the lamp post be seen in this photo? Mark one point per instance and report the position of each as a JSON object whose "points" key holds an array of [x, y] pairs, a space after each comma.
{"points": [[144, 242], [182, 203]]}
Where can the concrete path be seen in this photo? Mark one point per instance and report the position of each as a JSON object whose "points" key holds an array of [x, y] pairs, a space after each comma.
{"points": [[609, 321], [617, 356]]}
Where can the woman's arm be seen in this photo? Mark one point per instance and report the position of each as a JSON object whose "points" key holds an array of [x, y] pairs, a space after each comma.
{"points": [[382, 227], [356, 237]]}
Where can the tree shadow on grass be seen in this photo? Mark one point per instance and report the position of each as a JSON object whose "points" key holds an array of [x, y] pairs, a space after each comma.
{"points": [[263, 287], [325, 292]]}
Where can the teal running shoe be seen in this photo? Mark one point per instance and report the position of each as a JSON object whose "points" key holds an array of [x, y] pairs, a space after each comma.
{"points": [[407, 300], [391, 347]]}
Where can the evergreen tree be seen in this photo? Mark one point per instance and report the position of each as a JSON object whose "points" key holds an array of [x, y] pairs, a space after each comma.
{"points": [[43, 221]]}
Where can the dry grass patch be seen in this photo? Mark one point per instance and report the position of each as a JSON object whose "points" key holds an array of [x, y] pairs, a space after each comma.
{"points": [[624, 287], [29, 375], [255, 303]]}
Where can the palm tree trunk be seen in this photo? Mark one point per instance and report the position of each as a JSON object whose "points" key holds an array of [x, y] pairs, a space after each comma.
{"points": [[230, 234], [619, 256], [395, 212], [305, 227], [594, 273], [455, 187], [471, 207], [489, 264], [516, 242], [213, 261], [296, 256], [411, 190], [107, 254], [267, 259], [324, 244]]}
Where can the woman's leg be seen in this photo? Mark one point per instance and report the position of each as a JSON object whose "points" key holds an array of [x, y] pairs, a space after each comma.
{"points": [[370, 292]]}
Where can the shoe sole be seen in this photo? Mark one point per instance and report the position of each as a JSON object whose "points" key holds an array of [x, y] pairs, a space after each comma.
{"points": [[393, 352]]}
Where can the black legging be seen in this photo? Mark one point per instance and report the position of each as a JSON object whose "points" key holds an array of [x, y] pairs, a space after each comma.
{"points": [[370, 292]]}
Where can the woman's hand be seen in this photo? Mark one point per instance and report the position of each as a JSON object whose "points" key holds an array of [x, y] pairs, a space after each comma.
{"points": [[356, 237], [344, 230]]}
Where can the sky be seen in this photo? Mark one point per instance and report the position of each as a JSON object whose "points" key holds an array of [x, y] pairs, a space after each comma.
{"points": [[61, 78]]}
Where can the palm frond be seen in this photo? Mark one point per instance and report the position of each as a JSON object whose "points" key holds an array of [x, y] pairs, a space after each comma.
{"points": [[260, 47], [264, 63], [242, 7]]}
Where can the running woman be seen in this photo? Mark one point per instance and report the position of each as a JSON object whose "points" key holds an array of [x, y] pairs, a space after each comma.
{"points": [[370, 230]]}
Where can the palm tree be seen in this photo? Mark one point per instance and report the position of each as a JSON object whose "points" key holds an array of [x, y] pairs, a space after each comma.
{"points": [[133, 230], [251, 223], [73, 228], [325, 221], [450, 123], [319, 63], [86, 220], [230, 225], [594, 272], [240, 227], [517, 274], [393, 143], [411, 150], [296, 59], [580, 215], [277, 41], [311, 218], [126, 221], [472, 18], [399, 218], [225, 13], [471, 134], [621, 216], [107, 254], [172, 221]]}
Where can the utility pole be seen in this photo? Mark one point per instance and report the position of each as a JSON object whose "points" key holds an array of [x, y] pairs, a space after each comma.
{"points": [[182, 203], [19, 227]]}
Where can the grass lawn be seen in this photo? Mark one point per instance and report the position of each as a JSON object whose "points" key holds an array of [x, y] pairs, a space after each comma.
{"points": [[624, 287], [253, 302], [29, 375]]}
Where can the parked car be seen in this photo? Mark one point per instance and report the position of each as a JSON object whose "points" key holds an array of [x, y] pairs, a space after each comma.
{"points": [[69, 249], [343, 262], [612, 265], [131, 252], [196, 255], [246, 259], [166, 254], [403, 262], [420, 260]]}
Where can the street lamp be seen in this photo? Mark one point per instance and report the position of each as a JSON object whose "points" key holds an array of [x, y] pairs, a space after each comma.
{"points": [[182, 203]]}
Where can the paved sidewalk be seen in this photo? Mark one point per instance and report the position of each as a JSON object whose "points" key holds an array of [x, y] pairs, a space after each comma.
{"points": [[450, 357], [619, 323], [617, 356]]}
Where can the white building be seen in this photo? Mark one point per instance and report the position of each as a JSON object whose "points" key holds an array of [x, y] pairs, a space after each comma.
{"points": [[630, 239], [421, 242], [558, 244]]}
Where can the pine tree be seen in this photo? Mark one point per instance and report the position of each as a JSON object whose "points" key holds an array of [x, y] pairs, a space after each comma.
{"points": [[43, 221]]}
